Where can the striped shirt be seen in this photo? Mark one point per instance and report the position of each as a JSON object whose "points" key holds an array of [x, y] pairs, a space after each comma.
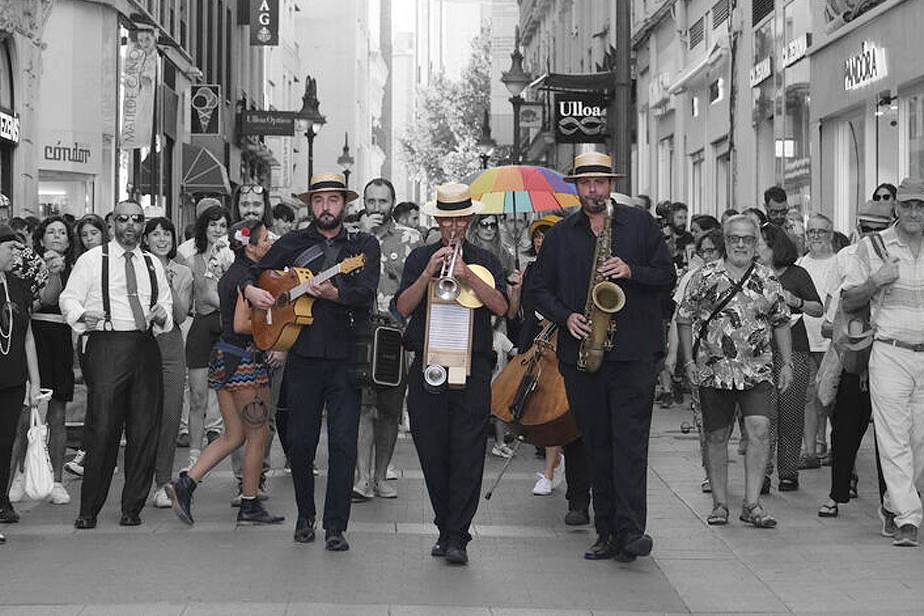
{"points": [[897, 309]]}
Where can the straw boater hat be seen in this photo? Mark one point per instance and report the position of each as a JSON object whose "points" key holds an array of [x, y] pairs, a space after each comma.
{"points": [[875, 212], [545, 223], [592, 165], [453, 200], [329, 182]]}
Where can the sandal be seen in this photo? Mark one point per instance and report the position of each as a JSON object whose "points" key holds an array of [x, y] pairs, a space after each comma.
{"points": [[854, 480], [756, 516], [828, 511], [706, 486], [719, 515]]}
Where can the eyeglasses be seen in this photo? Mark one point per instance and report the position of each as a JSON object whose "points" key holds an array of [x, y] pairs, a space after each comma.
{"points": [[711, 250], [252, 188], [487, 225], [911, 206], [747, 240], [883, 197], [817, 232], [124, 218]]}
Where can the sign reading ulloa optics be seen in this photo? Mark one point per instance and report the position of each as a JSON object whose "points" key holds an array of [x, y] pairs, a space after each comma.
{"points": [[865, 67], [264, 23], [580, 117]]}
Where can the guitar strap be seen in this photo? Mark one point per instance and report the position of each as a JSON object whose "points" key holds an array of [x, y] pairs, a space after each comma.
{"points": [[308, 255]]}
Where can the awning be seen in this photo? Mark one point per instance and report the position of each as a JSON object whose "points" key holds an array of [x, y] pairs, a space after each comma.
{"points": [[578, 81], [715, 55], [202, 172]]}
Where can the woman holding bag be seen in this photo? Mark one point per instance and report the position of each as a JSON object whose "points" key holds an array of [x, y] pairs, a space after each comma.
{"points": [[18, 360]]}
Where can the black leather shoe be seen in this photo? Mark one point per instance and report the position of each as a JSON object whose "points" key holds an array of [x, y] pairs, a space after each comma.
{"points": [[639, 545], [85, 523], [602, 549], [456, 555], [439, 549], [304, 530], [789, 484], [621, 556], [336, 542], [130, 519], [8, 515], [577, 517], [180, 491], [253, 513]]}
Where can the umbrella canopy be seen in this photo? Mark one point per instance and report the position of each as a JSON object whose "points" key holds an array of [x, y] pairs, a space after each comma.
{"points": [[514, 189]]}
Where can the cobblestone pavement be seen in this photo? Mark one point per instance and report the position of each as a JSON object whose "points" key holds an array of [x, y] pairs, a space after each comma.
{"points": [[524, 561]]}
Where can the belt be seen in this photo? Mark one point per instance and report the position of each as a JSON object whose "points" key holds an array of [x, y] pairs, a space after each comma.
{"points": [[227, 347], [917, 348]]}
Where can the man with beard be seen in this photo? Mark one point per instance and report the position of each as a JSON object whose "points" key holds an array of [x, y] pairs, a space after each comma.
{"points": [[120, 295], [317, 367], [613, 404], [382, 406]]}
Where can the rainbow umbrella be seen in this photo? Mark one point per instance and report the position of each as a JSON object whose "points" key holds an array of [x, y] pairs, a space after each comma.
{"points": [[515, 189]]}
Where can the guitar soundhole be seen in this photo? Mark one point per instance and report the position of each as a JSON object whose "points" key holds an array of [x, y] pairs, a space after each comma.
{"points": [[282, 300]]}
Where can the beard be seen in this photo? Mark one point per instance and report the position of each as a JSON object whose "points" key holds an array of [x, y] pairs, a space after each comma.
{"points": [[327, 221], [594, 205]]}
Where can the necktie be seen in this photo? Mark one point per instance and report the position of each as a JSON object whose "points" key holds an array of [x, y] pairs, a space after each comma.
{"points": [[131, 285]]}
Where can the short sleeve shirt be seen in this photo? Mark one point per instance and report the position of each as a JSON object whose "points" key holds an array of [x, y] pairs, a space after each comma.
{"points": [[397, 242], [735, 352]]}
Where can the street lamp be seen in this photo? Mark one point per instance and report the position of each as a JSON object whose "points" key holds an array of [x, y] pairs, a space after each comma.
{"points": [[516, 80], [345, 160], [310, 117], [486, 144]]}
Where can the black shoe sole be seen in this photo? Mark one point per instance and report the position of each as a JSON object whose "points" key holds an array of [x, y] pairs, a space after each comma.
{"points": [[85, 524], [130, 522], [624, 557], [175, 505], [456, 558], [260, 522]]}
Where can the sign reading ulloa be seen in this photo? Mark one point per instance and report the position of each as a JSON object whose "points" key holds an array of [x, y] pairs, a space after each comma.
{"points": [[865, 67], [580, 117], [264, 23]]}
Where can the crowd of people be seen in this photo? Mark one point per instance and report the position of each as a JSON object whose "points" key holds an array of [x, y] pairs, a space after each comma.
{"points": [[758, 315]]}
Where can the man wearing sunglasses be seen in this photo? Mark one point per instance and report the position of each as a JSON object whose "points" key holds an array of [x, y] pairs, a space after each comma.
{"points": [[893, 284], [120, 295]]}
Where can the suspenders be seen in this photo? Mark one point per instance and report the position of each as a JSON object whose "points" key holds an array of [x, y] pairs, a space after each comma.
{"points": [[107, 313]]}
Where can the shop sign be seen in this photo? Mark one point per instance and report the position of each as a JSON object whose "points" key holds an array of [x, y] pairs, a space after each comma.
{"points": [[67, 150], [531, 115], [865, 67], [9, 127], [761, 71], [254, 122], [795, 50], [264, 23], [580, 117], [206, 115], [139, 72]]}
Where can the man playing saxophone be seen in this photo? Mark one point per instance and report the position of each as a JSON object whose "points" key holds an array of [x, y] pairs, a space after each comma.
{"points": [[601, 275]]}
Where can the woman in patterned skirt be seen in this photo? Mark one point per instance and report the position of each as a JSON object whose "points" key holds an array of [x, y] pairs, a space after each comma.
{"points": [[240, 375]]}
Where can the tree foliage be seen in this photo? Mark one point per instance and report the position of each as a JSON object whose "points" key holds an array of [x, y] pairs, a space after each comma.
{"points": [[440, 145]]}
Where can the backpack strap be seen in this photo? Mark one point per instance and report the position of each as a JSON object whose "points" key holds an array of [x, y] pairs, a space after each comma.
{"points": [[152, 274], [879, 246], [104, 289]]}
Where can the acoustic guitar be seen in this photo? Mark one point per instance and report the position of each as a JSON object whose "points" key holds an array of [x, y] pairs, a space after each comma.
{"points": [[277, 328]]}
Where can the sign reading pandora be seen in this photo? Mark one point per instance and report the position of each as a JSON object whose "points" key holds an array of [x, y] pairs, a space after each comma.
{"points": [[865, 67], [580, 117]]}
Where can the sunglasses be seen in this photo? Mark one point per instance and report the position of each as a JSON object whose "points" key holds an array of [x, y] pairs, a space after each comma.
{"points": [[124, 218], [487, 225], [252, 188], [817, 232], [884, 197]]}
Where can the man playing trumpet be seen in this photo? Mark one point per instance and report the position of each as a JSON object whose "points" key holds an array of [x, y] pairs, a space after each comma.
{"points": [[609, 378], [449, 426]]}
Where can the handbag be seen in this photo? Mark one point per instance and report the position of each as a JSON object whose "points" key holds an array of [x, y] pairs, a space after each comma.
{"points": [[853, 332], [828, 377], [37, 474]]}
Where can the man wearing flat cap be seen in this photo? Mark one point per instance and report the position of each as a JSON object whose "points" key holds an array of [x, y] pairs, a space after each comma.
{"points": [[893, 284], [317, 366]]}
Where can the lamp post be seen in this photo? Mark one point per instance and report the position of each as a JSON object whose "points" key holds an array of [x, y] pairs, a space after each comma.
{"points": [[486, 144], [345, 160], [516, 80], [310, 117]]}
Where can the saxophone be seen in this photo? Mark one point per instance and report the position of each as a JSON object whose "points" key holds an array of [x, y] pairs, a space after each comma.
{"points": [[604, 299]]}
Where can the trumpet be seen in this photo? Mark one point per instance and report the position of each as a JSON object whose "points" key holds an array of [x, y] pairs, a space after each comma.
{"points": [[447, 287]]}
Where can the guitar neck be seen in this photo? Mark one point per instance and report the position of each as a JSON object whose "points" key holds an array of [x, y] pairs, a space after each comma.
{"points": [[301, 289]]}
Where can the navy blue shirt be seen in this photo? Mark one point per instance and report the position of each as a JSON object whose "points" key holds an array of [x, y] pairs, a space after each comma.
{"points": [[227, 296], [558, 287], [330, 336], [482, 334]]}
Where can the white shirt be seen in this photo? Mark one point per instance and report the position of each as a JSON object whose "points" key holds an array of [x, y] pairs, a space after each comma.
{"points": [[84, 290], [820, 272]]}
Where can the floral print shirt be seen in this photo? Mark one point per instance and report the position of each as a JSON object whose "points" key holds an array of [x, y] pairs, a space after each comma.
{"points": [[31, 269], [735, 352]]}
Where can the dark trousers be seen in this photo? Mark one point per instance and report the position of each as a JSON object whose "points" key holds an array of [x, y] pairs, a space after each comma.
{"points": [[311, 385], [578, 475], [125, 388], [613, 410], [450, 434], [10, 408], [849, 421]]}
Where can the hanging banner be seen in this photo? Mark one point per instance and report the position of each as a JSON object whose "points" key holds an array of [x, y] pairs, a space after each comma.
{"points": [[580, 117], [206, 116], [139, 75], [264, 23]]}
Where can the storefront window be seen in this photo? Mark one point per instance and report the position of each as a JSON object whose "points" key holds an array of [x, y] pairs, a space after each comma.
{"points": [[915, 136], [763, 52]]}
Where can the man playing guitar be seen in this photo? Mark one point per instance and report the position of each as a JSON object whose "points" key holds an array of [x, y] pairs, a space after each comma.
{"points": [[317, 374]]}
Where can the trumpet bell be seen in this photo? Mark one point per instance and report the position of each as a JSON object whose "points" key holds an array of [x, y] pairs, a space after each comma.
{"points": [[608, 297], [447, 289]]}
